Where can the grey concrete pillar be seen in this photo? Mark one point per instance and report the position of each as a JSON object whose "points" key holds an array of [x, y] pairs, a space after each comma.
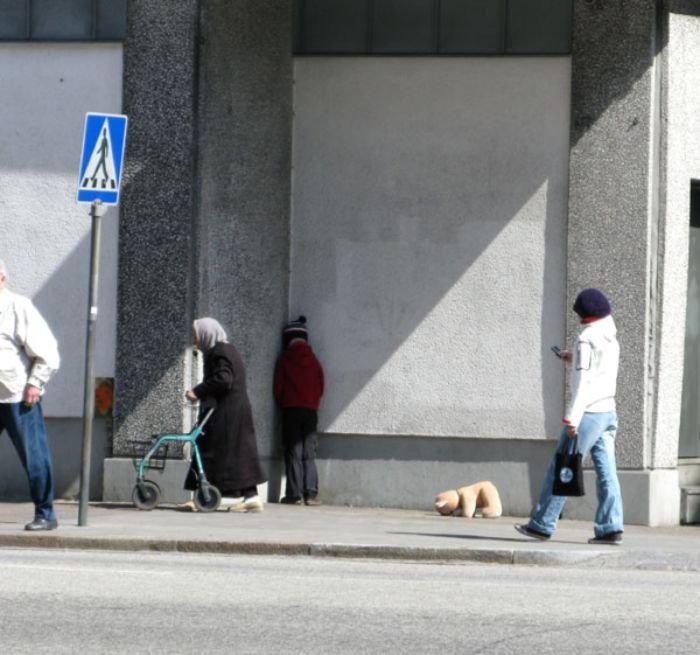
{"points": [[205, 208], [245, 133], [156, 263], [614, 212]]}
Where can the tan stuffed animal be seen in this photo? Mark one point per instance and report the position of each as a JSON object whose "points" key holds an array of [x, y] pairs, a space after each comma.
{"points": [[478, 496]]}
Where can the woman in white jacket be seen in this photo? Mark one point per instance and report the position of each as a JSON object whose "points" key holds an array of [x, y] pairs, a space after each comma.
{"points": [[591, 416]]}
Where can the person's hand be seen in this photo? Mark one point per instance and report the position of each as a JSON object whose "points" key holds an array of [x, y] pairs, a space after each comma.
{"points": [[571, 431], [565, 355], [32, 395], [191, 395]]}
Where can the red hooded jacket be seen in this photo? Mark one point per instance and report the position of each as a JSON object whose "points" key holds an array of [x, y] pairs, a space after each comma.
{"points": [[298, 377]]}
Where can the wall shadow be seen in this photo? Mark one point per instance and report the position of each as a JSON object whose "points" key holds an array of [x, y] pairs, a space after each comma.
{"points": [[613, 47]]}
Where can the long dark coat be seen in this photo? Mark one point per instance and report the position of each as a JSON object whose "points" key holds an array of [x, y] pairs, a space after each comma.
{"points": [[228, 446]]}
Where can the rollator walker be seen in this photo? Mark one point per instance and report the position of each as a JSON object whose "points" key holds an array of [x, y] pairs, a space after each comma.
{"points": [[146, 493]]}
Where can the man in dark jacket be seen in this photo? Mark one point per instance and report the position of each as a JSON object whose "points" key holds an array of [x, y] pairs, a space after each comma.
{"points": [[298, 387]]}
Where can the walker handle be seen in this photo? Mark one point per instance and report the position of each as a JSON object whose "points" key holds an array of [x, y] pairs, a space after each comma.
{"points": [[207, 416]]}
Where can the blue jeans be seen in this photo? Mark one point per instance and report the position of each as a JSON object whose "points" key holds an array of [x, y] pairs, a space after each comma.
{"points": [[596, 434], [26, 428]]}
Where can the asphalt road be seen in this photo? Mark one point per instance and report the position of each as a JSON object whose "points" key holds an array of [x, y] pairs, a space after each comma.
{"points": [[115, 602]]}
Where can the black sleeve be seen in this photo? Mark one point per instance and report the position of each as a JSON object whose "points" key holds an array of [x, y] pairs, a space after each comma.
{"points": [[218, 377]]}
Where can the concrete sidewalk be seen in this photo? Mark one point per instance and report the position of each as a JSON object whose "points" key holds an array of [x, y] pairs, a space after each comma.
{"points": [[329, 531]]}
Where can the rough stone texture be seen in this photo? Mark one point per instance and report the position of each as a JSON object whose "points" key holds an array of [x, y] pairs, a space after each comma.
{"points": [[155, 262], [204, 227], [611, 209], [244, 143]]}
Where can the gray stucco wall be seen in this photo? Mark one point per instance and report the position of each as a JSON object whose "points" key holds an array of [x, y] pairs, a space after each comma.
{"points": [[47, 88], [65, 441], [394, 471], [224, 96], [44, 233], [428, 234], [428, 251]]}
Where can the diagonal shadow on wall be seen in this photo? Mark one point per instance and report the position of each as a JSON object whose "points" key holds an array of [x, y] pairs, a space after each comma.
{"points": [[428, 241]]}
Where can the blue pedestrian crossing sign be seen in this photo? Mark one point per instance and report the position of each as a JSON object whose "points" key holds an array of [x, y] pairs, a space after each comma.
{"points": [[102, 158]]}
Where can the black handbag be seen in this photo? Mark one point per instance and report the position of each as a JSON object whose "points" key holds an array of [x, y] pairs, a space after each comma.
{"points": [[568, 470]]}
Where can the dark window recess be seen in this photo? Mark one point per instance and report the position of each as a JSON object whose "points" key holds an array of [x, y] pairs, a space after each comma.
{"points": [[13, 20], [335, 26], [111, 20], [404, 26], [297, 25], [695, 204], [538, 27], [449, 27], [472, 26], [62, 20]]}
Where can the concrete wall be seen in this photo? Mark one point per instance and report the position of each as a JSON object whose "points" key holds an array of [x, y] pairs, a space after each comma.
{"points": [[394, 471], [66, 441], [205, 208], [45, 234], [619, 238], [428, 241], [429, 246]]}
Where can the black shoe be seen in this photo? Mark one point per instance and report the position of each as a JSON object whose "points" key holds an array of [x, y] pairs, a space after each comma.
{"points": [[312, 501], [610, 539], [288, 500], [529, 532], [40, 523]]}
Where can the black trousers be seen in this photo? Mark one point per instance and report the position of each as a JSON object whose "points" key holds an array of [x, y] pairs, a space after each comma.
{"points": [[300, 442]]}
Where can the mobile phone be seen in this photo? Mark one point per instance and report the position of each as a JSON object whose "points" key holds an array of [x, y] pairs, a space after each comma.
{"points": [[557, 351]]}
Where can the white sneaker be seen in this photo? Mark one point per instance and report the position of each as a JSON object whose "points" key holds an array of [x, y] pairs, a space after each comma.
{"points": [[252, 504], [227, 503]]}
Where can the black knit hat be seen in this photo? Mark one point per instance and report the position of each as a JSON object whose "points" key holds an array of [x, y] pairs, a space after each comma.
{"points": [[295, 330], [591, 303]]}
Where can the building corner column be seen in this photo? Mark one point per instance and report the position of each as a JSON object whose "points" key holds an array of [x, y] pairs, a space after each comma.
{"points": [[614, 217]]}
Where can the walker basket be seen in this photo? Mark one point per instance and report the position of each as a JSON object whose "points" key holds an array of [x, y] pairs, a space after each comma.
{"points": [[139, 449]]}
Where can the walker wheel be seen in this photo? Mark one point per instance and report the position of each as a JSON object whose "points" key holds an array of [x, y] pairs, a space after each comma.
{"points": [[146, 495], [204, 505]]}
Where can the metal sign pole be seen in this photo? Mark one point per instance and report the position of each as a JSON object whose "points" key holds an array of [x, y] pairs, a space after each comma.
{"points": [[96, 211]]}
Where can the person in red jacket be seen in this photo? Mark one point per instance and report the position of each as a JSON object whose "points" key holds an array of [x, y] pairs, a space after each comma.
{"points": [[298, 387]]}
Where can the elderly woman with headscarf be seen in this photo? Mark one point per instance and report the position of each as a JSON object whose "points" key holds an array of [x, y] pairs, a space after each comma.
{"points": [[228, 445]]}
